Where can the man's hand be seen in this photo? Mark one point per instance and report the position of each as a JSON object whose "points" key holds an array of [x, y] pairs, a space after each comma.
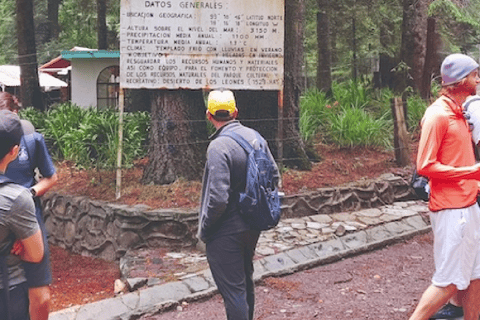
{"points": [[17, 248]]}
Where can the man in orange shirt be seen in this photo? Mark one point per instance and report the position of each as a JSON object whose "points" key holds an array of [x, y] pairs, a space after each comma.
{"points": [[446, 157]]}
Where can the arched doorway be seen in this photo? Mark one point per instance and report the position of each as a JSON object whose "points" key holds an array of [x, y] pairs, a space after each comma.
{"points": [[108, 84]]}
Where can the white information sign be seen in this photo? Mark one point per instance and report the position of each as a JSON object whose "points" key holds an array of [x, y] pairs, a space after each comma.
{"points": [[232, 44]]}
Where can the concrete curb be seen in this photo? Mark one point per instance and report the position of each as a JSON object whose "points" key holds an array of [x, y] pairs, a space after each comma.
{"points": [[164, 297]]}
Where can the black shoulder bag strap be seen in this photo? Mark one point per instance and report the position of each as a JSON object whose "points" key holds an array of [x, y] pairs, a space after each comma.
{"points": [[6, 289], [3, 263]]}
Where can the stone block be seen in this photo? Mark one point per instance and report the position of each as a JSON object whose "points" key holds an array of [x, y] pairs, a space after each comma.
{"points": [[399, 212], [103, 309], [297, 256], [321, 218], [308, 253], [278, 262], [419, 208], [170, 291], [136, 283], [389, 217], [301, 208], [65, 314], [416, 222], [258, 270], [327, 248], [369, 221], [398, 227], [130, 300], [377, 233], [369, 213], [354, 240], [196, 284], [207, 275], [343, 216]]}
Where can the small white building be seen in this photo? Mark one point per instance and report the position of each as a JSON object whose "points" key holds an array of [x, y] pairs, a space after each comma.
{"points": [[95, 77], [10, 80]]}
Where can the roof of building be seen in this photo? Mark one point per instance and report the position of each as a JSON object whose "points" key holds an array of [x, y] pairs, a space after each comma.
{"points": [[60, 65], [98, 54], [10, 77]]}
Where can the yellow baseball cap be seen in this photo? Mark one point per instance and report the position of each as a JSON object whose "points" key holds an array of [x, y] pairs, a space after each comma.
{"points": [[221, 100]]}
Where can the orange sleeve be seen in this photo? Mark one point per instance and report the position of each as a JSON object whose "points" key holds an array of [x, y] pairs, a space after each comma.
{"points": [[433, 133]]}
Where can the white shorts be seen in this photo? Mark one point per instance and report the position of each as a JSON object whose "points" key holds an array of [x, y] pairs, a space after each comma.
{"points": [[456, 246]]}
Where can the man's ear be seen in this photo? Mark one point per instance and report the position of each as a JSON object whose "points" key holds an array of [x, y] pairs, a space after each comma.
{"points": [[235, 113], [14, 151], [209, 115]]}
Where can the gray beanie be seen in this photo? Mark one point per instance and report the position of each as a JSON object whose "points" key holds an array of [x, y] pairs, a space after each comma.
{"points": [[455, 67]]}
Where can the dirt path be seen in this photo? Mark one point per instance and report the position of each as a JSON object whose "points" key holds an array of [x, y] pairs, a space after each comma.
{"points": [[384, 284]]}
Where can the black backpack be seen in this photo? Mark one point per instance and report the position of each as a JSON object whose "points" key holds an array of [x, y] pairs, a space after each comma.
{"points": [[260, 202], [420, 186]]}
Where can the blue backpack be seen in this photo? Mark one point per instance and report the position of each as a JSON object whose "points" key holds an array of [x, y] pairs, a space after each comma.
{"points": [[260, 202]]}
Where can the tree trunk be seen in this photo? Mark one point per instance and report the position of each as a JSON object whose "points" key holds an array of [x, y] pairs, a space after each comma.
{"points": [[293, 146], [102, 24], [333, 40], [30, 93], [178, 136], [354, 48], [259, 110], [324, 74], [52, 16], [432, 60], [413, 47], [420, 38]]}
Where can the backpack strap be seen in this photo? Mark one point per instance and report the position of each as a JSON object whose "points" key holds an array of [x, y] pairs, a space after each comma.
{"points": [[239, 139], [4, 180], [6, 288], [30, 144]]}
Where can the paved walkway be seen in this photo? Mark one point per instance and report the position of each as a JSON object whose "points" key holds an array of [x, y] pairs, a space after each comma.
{"points": [[294, 245]]}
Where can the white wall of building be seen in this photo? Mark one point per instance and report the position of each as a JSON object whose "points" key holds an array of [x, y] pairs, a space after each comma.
{"points": [[84, 79]]}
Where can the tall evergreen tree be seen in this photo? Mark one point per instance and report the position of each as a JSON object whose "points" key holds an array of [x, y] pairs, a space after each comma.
{"points": [[30, 93], [178, 136], [294, 147], [324, 73], [413, 47], [102, 24], [52, 16]]}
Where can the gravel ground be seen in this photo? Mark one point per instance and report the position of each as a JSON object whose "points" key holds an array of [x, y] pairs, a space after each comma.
{"points": [[384, 284]]}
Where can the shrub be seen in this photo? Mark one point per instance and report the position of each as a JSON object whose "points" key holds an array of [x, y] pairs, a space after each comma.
{"points": [[355, 127], [89, 137], [416, 107], [351, 93], [315, 113], [355, 116]]}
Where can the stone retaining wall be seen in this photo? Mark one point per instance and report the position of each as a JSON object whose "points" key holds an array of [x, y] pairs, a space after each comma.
{"points": [[359, 195], [105, 230]]}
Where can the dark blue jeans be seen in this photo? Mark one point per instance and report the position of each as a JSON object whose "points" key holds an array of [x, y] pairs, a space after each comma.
{"points": [[231, 262]]}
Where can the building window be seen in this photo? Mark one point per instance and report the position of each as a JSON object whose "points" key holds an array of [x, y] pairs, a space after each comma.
{"points": [[108, 84]]}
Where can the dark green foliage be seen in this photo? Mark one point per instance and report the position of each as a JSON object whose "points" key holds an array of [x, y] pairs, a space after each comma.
{"points": [[357, 115], [89, 137]]}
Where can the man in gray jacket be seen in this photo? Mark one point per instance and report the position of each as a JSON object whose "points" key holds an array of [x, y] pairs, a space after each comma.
{"points": [[230, 241]]}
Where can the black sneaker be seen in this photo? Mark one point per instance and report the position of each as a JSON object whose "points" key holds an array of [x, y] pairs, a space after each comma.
{"points": [[448, 311]]}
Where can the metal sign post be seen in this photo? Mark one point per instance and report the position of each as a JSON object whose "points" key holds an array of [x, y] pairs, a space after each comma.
{"points": [[118, 192]]}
